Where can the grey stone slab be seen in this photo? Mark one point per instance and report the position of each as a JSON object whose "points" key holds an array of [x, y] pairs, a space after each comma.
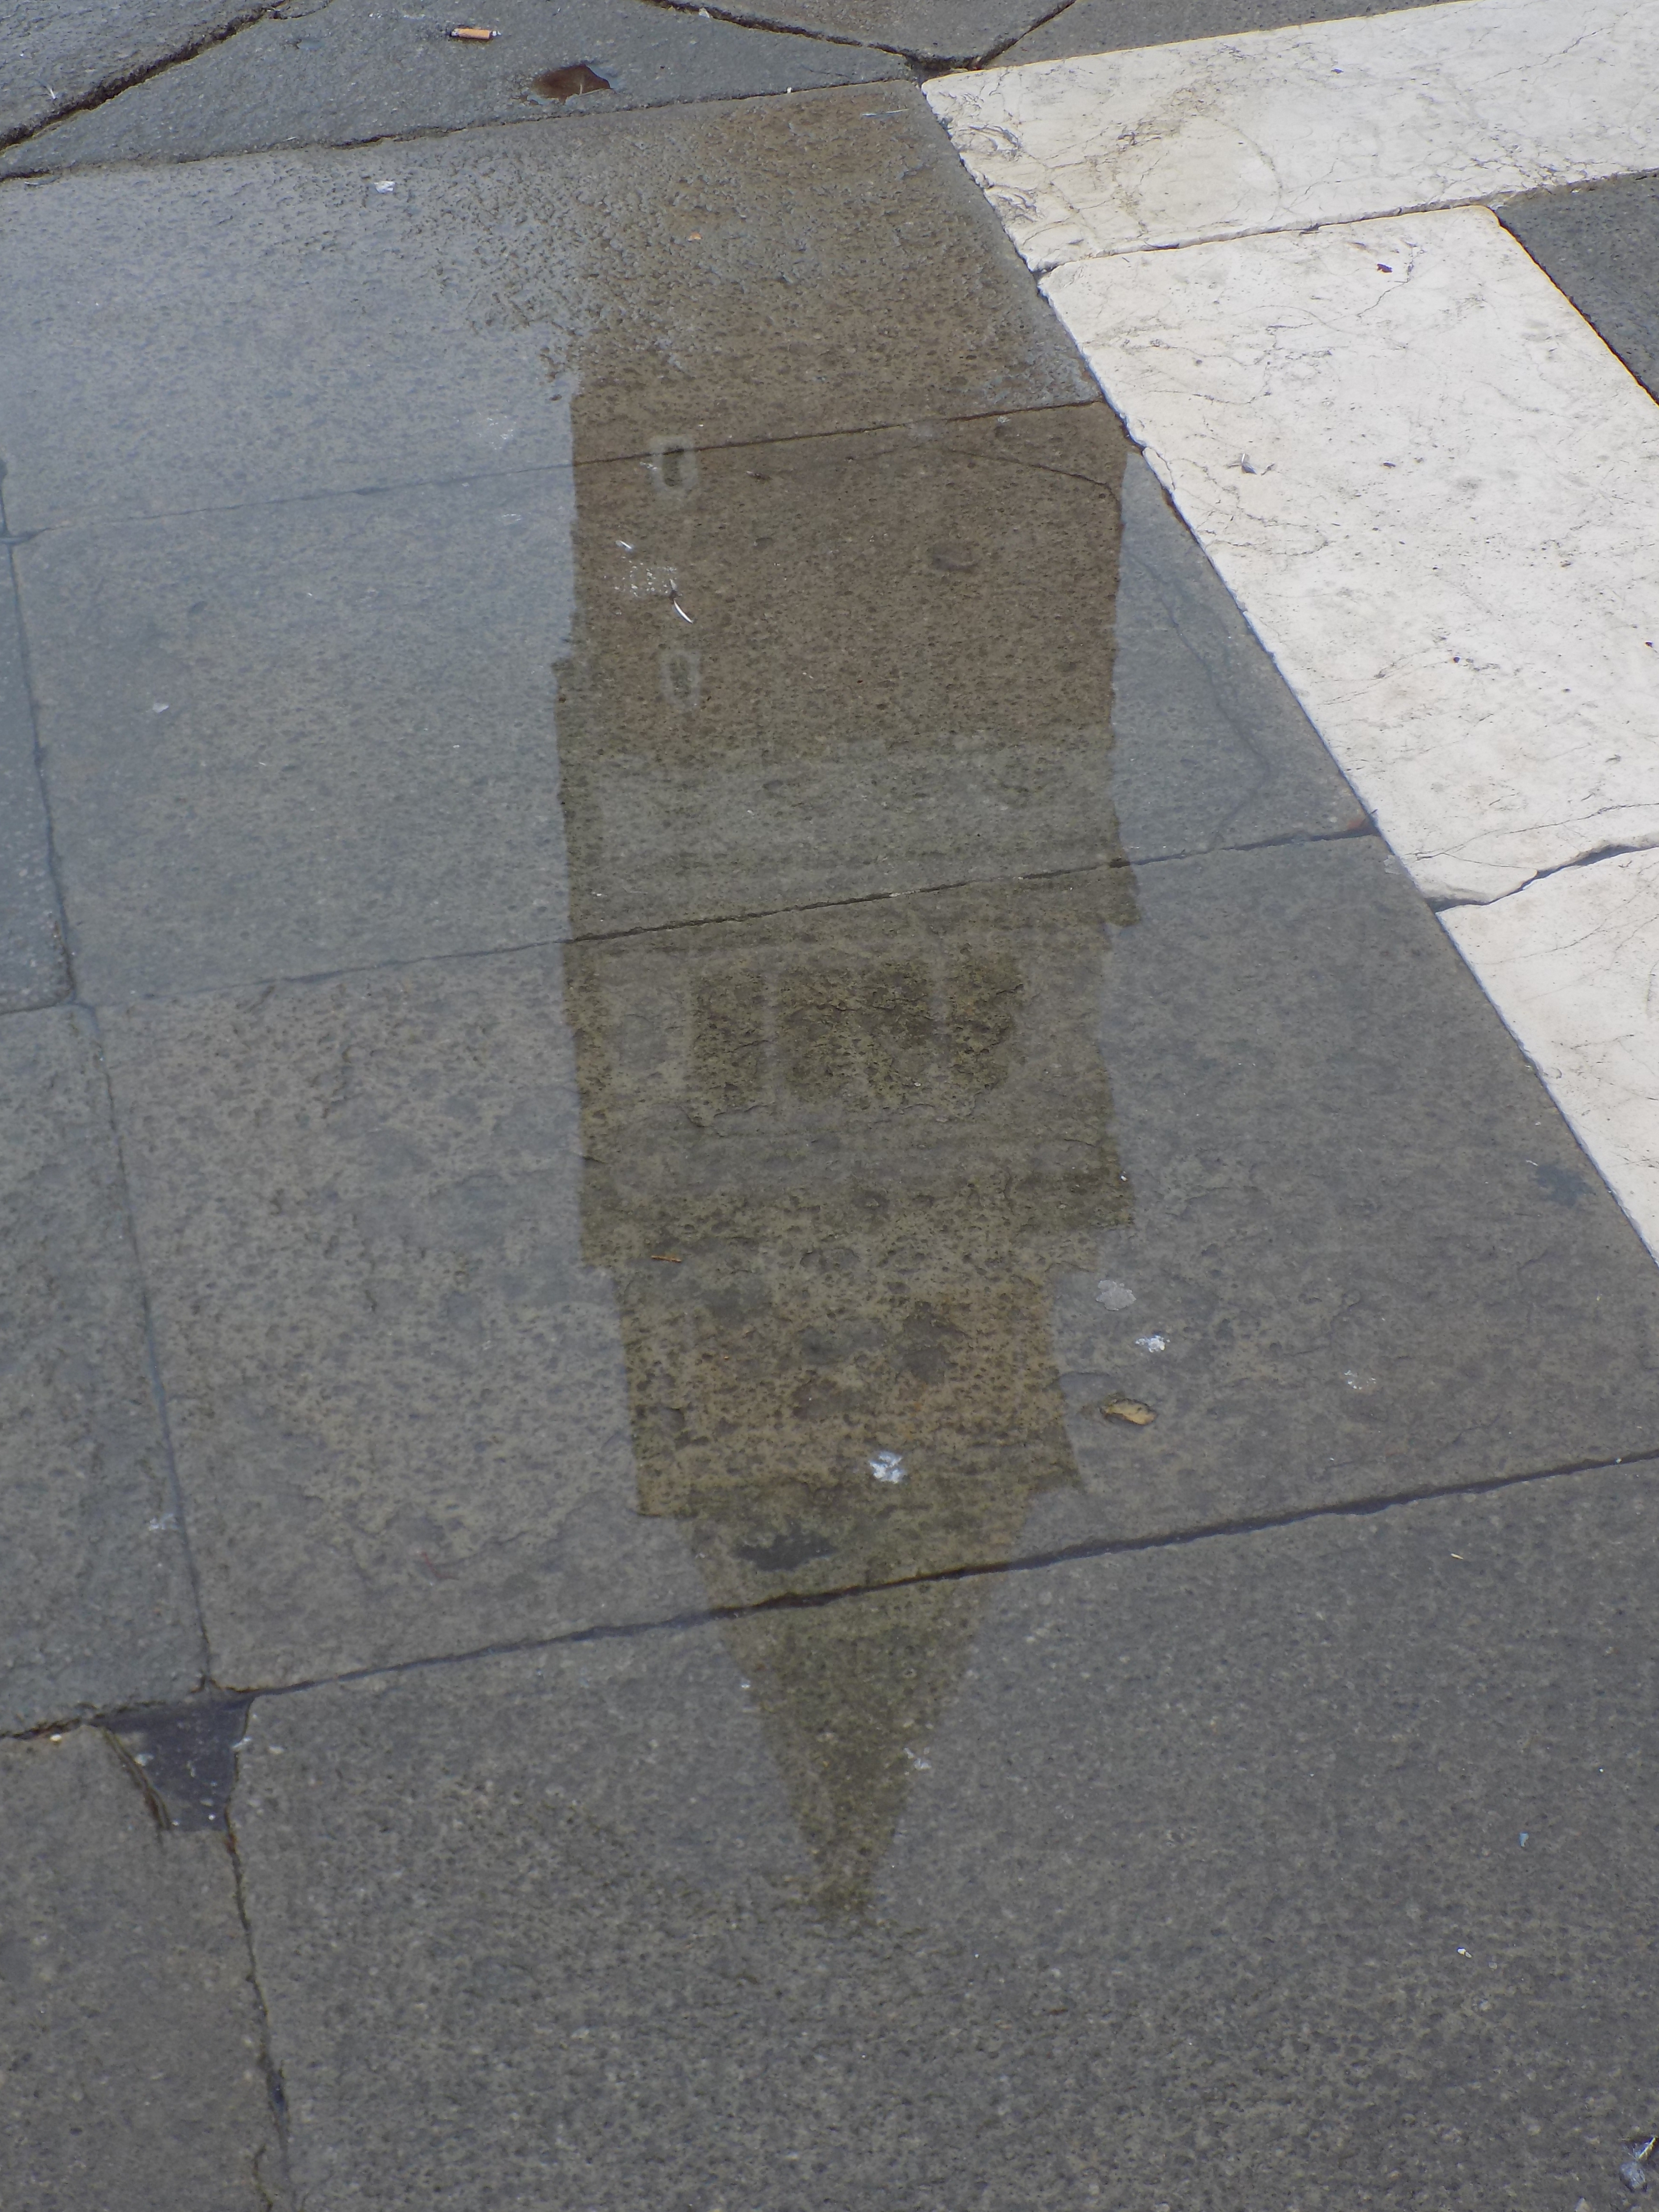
{"points": [[348, 71], [502, 1297], [131, 2066], [34, 971], [61, 54], [1211, 746], [395, 1385], [1313, 1869], [96, 1602], [1102, 27], [294, 346], [296, 735], [1600, 244], [736, 271], [1372, 1254], [820, 669], [942, 1179]]}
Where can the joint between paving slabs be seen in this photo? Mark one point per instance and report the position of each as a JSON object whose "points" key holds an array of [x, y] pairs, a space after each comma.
{"points": [[134, 1718], [59, 923], [175, 1506], [749, 19], [644, 453], [1359, 829]]}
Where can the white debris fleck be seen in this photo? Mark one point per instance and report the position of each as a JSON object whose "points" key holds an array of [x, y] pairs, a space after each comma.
{"points": [[648, 580], [887, 1466], [1113, 1295], [1154, 1343], [387, 185], [162, 1523]]}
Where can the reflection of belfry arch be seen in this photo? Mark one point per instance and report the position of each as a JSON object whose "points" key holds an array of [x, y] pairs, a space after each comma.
{"points": [[837, 1154]]}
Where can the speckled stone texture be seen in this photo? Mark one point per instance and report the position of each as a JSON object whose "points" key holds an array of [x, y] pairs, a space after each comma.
{"points": [[132, 2063], [1305, 1866]]}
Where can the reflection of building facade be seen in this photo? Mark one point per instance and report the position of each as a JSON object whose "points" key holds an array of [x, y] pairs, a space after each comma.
{"points": [[838, 1141]]}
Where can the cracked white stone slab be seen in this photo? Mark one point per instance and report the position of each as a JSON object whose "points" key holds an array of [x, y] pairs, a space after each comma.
{"points": [[1572, 965], [1323, 123], [1435, 494]]}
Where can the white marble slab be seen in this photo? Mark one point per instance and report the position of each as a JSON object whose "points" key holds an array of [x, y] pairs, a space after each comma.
{"points": [[1324, 122], [1435, 494], [1572, 965]]}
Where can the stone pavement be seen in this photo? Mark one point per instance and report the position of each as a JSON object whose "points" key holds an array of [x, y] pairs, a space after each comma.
{"points": [[803, 1410]]}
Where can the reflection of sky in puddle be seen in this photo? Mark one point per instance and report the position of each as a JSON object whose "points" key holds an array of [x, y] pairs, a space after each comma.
{"points": [[841, 1136]]}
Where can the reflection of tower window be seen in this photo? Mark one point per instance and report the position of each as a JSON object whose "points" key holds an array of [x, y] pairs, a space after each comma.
{"points": [[673, 465], [682, 679], [838, 1151]]}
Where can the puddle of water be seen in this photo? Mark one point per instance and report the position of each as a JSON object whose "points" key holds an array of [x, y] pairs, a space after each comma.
{"points": [[838, 1149]]}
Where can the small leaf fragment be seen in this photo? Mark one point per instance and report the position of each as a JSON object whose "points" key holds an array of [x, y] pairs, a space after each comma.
{"points": [[1128, 1409]]}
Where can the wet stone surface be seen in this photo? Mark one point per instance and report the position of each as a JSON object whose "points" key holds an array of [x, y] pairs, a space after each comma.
{"points": [[723, 1007], [1170, 1878], [822, 263], [754, 1244], [396, 1386]]}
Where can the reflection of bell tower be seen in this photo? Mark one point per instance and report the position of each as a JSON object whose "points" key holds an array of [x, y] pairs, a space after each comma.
{"points": [[834, 749]]}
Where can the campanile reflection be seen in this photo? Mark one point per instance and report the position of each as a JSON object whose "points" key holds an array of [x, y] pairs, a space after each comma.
{"points": [[841, 864]]}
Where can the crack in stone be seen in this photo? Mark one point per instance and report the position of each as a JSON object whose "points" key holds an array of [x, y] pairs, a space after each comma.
{"points": [[275, 2090], [113, 87], [266, 984], [1102, 1548], [1561, 868]]}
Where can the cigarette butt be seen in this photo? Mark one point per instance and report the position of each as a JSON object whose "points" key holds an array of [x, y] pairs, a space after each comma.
{"points": [[472, 31]]}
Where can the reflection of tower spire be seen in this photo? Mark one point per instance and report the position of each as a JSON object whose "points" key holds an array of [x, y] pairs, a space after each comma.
{"points": [[838, 1152]]}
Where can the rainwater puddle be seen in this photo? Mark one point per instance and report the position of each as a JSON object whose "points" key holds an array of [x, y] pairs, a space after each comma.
{"points": [[844, 866]]}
